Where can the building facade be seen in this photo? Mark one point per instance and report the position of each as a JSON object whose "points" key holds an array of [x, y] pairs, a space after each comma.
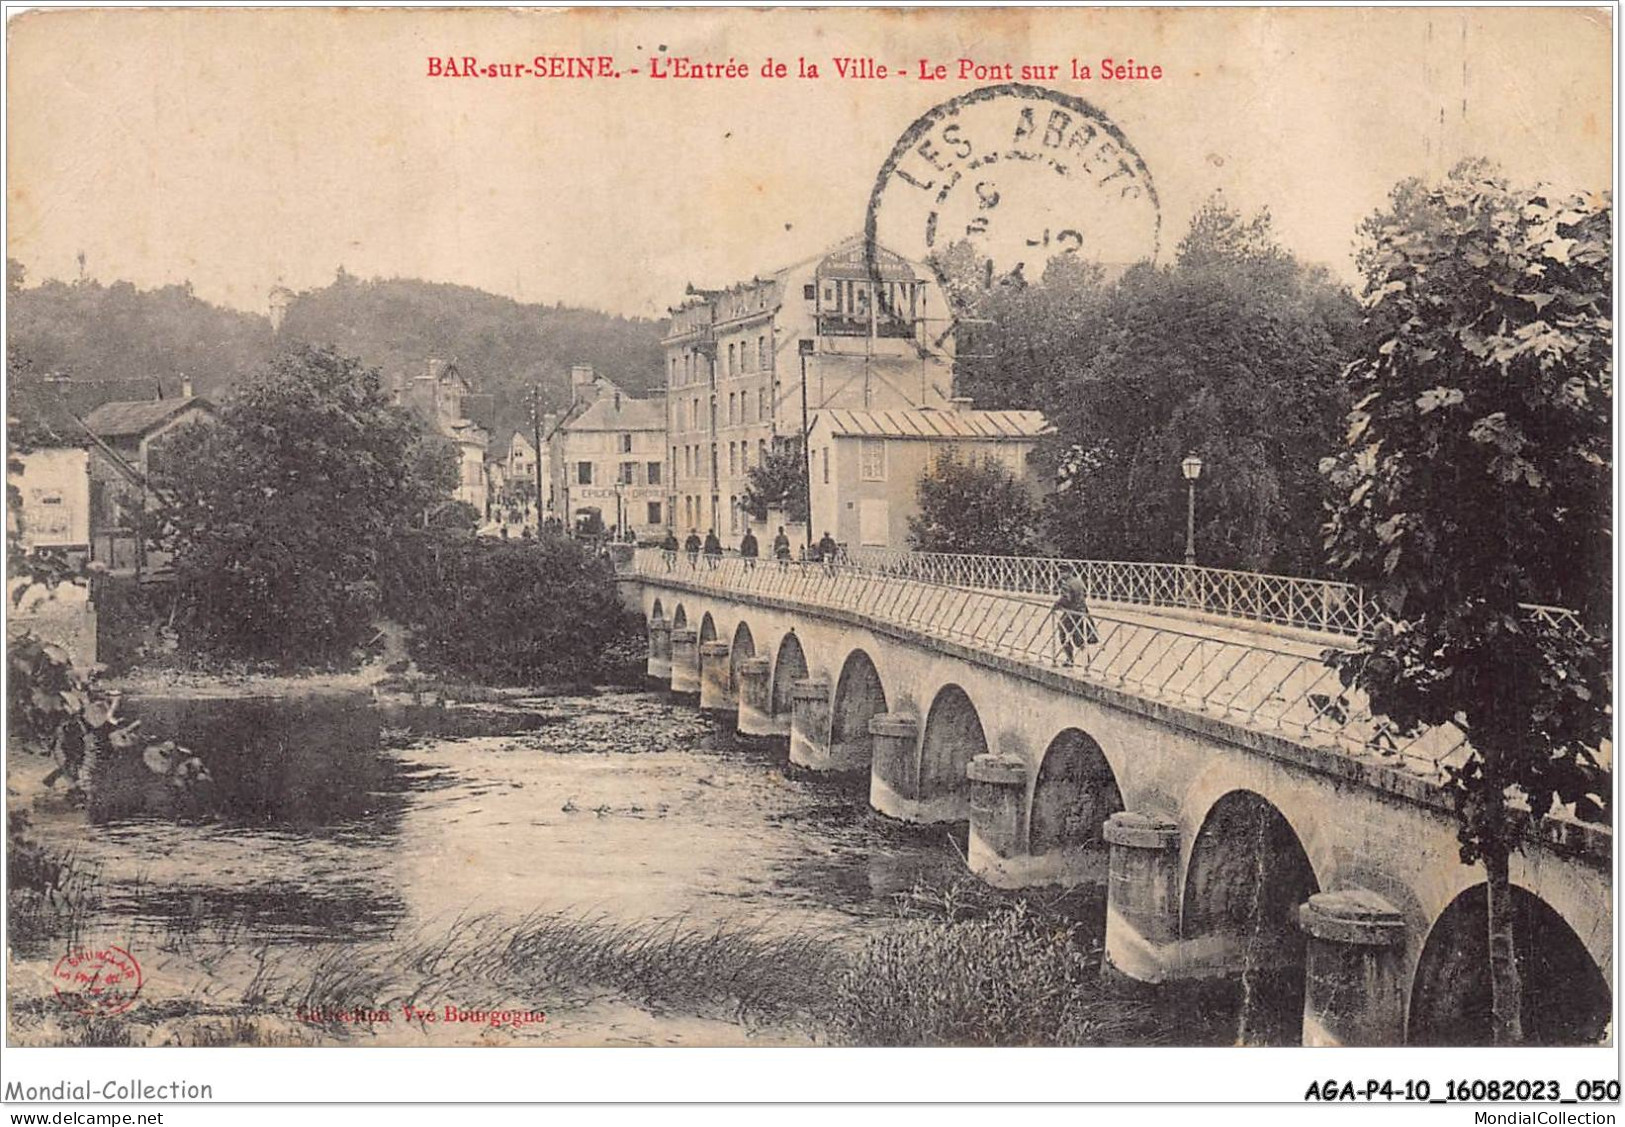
{"points": [[747, 367], [126, 447], [608, 460], [445, 400], [866, 465]]}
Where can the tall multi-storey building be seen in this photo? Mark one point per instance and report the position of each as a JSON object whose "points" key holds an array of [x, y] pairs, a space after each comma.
{"points": [[848, 332]]}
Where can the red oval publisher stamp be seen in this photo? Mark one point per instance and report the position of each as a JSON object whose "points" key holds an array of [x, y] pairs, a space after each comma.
{"points": [[98, 980]]}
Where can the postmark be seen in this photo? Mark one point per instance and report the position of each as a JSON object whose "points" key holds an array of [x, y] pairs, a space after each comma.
{"points": [[96, 981], [989, 187]]}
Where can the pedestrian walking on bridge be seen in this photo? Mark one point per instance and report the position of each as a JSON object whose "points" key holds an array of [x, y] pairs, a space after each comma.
{"points": [[748, 549], [691, 547], [713, 548], [1074, 625]]}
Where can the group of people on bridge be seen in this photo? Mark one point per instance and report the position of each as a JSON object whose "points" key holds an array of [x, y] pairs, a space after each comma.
{"points": [[825, 551]]}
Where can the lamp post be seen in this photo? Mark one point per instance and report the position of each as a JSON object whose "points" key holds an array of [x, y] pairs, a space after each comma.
{"points": [[1191, 467]]}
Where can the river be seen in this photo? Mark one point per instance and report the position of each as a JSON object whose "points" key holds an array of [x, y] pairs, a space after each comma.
{"points": [[336, 827]]}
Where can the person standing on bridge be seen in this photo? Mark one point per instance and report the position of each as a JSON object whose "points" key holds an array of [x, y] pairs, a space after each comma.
{"points": [[748, 550], [827, 551], [668, 548], [1074, 626], [713, 548], [781, 549], [692, 547]]}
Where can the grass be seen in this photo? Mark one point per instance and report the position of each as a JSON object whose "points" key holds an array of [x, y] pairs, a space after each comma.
{"points": [[968, 964], [50, 893], [962, 964], [744, 974]]}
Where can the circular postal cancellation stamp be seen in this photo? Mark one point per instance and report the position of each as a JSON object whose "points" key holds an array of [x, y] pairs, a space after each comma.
{"points": [[990, 186], [98, 980]]}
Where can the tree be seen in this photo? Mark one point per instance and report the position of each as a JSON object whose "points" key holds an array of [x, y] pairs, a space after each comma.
{"points": [[1234, 353], [778, 481], [1475, 478], [281, 512], [977, 507]]}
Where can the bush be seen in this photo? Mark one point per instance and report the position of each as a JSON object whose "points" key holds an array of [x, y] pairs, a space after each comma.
{"points": [[1011, 977], [506, 611], [977, 507]]}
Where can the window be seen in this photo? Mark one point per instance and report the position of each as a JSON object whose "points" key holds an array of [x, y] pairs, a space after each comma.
{"points": [[806, 346], [731, 407], [744, 356], [675, 464], [761, 353], [673, 378], [761, 405], [761, 451], [583, 473], [733, 514], [810, 291], [629, 473], [744, 457], [654, 478], [626, 444], [654, 513], [733, 458], [872, 460], [730, 359], [826, 465]]}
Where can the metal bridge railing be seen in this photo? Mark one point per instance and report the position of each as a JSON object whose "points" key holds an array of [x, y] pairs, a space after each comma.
{"points": [[1253, 683], [1325, 607], [1318, 605]]}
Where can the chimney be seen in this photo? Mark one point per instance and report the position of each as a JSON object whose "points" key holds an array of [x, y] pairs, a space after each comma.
{"points": [[186, 387], [581, 381]]}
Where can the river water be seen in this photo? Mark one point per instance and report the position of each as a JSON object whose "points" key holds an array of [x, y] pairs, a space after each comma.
{"points": [[337, 820]]}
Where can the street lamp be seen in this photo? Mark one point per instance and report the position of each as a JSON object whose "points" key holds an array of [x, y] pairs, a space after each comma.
{"points": [[1191, 467]]}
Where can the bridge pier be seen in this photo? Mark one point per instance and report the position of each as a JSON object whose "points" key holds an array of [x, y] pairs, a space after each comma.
{"points": [[896, 740], [997, 851], [809, 727], [685, 663], [1354, 991], [756, 717], [1142, 897], [659, 667], [716, 695]]}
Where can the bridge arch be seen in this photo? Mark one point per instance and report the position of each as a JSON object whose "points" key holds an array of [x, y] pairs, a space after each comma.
{"points": [[1566, 997], [679, 620], [790, 667], [1247, 875], [1074, 792], [743, 647], [708, 628], [657, 613], [859, 696], [952, 737]]}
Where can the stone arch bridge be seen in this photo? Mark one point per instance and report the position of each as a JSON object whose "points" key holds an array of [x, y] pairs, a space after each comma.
{"points": [[1252, 829]]}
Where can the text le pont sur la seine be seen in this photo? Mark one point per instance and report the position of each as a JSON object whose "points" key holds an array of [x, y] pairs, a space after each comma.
{"points": [[856, 68]]}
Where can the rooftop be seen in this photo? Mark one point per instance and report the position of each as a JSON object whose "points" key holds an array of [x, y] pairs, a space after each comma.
{"points": [[131, 419], [927, 423], [632, 414]]}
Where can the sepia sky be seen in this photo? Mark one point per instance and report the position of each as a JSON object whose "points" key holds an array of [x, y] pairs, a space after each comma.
{"points": [[239, 149]]}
